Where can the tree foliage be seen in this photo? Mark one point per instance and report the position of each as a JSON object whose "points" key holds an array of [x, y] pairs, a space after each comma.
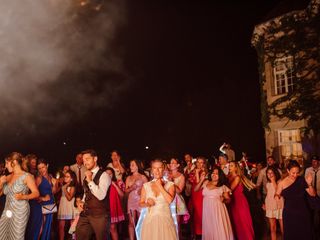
{"points": [[296, 35]]}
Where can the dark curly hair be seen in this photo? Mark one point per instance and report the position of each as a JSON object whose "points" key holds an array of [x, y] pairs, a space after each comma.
{"points": [[222, 177]]}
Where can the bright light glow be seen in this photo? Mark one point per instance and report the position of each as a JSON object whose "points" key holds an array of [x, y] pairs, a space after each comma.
{"points": [[147, 147], [9, 214]]}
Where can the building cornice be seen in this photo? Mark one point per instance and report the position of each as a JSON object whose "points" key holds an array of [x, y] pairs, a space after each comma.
{"points": [[260, 30]]}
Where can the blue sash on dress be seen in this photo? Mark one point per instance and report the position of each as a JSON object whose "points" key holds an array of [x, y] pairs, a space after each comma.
{"points": [[143, 215]]}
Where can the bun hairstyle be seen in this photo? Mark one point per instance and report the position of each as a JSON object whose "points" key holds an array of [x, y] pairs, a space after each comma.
{"points": [[17, 157], [292, 164]]}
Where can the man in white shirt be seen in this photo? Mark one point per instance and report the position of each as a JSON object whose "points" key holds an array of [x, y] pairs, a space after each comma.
{"points": [[95, 217], [226, 149], [79, 169], [224, 163], [314, 171]]}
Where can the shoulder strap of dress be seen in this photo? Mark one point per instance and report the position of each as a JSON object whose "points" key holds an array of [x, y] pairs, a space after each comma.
{"points": [[168, 185], [23, 177]]}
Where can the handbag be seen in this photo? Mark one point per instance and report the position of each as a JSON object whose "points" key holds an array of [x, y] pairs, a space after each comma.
{"points": [[49, 208]]}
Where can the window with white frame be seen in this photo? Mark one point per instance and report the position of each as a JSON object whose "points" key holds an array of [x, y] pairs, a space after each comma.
{"points": [[284, 80], [290, 143]]}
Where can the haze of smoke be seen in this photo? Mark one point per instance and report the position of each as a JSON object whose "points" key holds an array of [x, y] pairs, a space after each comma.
{"points": [[49, 53]]}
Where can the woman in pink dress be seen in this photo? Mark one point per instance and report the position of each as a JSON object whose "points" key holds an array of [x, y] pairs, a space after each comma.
{"points": [[216, 223], [134, 185], [273, 206], [196, 196], [239, 207]]}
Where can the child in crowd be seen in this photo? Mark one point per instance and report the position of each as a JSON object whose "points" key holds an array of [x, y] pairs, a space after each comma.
{"points": [[78, 208], [66, 206]]}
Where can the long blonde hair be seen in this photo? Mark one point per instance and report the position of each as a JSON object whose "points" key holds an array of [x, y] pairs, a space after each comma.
{"points": [[245, 181]]}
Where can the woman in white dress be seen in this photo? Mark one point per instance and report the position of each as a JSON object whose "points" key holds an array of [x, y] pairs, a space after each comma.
{"points": [[157, 195], [179, 181], [66, 210]]}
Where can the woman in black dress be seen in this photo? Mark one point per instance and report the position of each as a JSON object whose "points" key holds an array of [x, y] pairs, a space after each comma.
{"points": [[296, 213]]}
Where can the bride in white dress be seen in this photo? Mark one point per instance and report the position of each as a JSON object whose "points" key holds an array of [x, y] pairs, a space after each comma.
{"points": [[157, 195]]}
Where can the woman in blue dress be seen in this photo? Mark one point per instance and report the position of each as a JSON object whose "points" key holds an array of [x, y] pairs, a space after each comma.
{"points": [[39, 226], [19, 187]]}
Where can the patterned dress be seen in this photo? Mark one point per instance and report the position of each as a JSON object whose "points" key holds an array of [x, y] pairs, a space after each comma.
{"points": [[15, 215], [134, 197]]}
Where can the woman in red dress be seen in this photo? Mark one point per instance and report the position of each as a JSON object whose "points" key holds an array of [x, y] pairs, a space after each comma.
{"points": [[239, 207], [195, 205], [116, 211]]}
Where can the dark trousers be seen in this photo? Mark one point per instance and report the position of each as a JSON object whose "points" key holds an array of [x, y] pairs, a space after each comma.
{"points": [[89, 225], [316, 223]]}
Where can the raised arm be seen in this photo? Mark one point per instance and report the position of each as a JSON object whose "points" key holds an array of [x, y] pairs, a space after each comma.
{"points": [[55, 187], [310, 190], [168, 195], [100, 190], [70, 194], [221, 149], [200, 184]]}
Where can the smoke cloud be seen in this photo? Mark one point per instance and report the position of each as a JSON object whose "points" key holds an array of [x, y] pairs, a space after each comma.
{"points": [[58, 60]]}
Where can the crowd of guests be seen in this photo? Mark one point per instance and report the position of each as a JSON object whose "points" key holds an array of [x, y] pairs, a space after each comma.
{"points": [[193, 199]]}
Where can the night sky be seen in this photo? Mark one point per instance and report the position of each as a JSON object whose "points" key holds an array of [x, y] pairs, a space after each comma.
{"points": [[192, 84]]}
